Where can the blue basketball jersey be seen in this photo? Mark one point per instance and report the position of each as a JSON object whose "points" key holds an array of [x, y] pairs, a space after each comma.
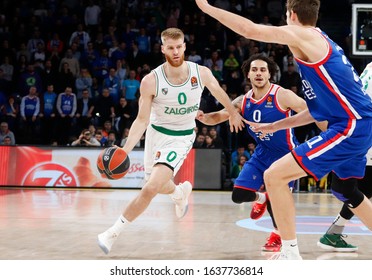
{"points": [[267, 110], [332, 89]]}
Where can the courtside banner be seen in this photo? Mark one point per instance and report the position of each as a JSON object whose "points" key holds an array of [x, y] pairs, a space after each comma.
{"points": [[62, 167]]}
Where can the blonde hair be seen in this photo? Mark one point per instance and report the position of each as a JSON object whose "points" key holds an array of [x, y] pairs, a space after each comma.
{"points": [[172, 33]]}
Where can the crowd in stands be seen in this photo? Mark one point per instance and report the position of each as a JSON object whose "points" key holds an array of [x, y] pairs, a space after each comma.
{"points": [[70, 71]]}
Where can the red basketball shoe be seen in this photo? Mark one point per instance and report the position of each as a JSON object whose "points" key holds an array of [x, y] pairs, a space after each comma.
{"points": [[273, 243], [258, 209]]}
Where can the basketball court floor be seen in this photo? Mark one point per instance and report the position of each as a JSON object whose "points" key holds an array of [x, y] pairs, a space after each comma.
{"points": [[62, 224]]}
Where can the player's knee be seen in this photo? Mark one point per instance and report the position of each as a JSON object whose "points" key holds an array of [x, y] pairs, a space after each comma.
{"points": [[242, 195], [150, 190], [347, 191], [269, 176]]}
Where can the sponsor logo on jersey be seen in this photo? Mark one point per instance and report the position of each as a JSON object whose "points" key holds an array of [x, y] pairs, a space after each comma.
{"points": [[157, 156], [194, 81], [269, 102], [182, 110]]}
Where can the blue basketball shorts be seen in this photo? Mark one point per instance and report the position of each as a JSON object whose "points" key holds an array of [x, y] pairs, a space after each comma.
{"points": [[342, 148], [251, 175]]}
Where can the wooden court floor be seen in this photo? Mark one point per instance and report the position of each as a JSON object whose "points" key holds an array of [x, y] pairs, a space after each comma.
{"points": [[62, 224]]}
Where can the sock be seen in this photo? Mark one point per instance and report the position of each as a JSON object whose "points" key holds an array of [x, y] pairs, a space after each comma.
{"points": [[119, 225], [261, 198], [290, 245], [276, 231], [177, 194], [337, 226]]}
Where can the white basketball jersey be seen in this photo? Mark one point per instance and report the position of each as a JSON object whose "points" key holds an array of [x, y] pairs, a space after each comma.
{"points": [[175, 106]]}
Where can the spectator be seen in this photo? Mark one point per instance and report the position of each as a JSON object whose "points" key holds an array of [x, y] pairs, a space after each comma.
{"points": [[86, 139], [136, 57], [199, 142], [29, 79], [112, 82], [215, 63], [291, 78], [83, 82], [102, 140], [85, 109], [238, 167], [120, 53], [9, 112], [29, 110], [66, 107], [89, 56], [124, 112], [49, 75], [8, 69], [130, 87], [217, 140], [92, 17], [104, 108], [48, 114], [72, 62], [81, 37], [111, 139], [55, 44], [65, 78], [5, 132], [6, 141], [101, 66], [240, 151], [122, 71]]}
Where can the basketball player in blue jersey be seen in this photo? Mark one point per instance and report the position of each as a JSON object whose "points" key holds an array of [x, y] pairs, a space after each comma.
{"points": [[169, 102], [333, 239], [333, 92], [265, 102]]}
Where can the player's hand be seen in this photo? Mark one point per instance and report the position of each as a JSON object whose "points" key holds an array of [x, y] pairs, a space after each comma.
{"points": [[262, 128], [200, 115], [237, 122]]}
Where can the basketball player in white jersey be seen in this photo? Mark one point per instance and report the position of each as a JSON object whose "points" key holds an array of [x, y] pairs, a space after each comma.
{"points": [[169, 101]]}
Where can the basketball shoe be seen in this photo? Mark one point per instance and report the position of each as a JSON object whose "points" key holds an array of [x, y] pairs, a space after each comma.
{"points": [[335, 242], [285, 255], [258, 209], [106, 240], [273, 243], [182, 204]]}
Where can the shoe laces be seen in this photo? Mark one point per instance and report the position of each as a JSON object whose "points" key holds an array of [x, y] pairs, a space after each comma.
{"points": [[341, 238], [273, 239]]}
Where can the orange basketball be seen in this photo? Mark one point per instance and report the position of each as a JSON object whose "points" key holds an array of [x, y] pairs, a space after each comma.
{"points": [[113, 163]]}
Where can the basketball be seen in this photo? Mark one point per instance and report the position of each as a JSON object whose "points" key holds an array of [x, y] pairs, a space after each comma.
{"points": [[113, 163]]}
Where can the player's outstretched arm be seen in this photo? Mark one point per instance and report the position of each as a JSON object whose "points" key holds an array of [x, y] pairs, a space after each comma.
{"points": [[287, 35], [217, 117], [237, 122]]}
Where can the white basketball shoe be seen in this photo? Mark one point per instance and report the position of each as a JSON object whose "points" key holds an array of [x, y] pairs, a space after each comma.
{"points": [[182, 204]]}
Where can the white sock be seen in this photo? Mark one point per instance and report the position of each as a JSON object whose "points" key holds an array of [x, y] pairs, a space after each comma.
{"points": [[177, 194], [337, 226], [261, 197], [339, 221], [290, 245], [119, 225]]}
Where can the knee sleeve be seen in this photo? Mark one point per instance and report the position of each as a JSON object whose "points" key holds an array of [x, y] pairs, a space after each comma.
{"points": [[364, 184], [242, 195], [347, 191]]}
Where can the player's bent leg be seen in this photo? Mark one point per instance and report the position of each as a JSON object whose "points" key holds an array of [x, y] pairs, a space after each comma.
{"points": [[276, 180], [160, 176]]}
